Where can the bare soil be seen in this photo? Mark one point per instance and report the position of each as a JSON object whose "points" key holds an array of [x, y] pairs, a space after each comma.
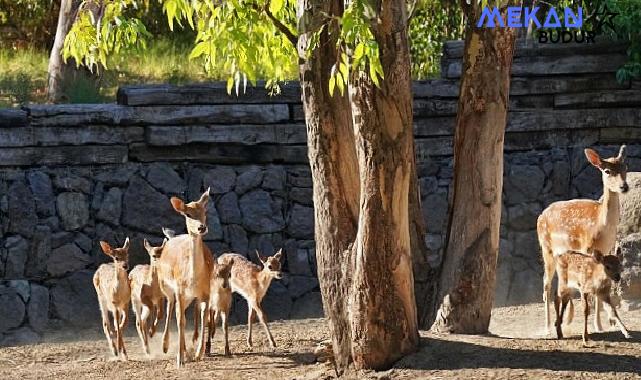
{"points": [[516, 348]]}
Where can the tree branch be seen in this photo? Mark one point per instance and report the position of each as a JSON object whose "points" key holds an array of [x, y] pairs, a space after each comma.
{"points": [[279, 25]]}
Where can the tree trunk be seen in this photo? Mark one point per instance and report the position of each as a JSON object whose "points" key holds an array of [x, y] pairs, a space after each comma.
{"points": [[466, 289], [361, 158], [58, 70]]}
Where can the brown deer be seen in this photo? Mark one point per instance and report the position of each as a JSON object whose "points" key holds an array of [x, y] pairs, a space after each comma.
{"points": [[184, 270], [581, 224], [112, 288], [220, 302], [252, 282], [592, 276], [147, 299]]}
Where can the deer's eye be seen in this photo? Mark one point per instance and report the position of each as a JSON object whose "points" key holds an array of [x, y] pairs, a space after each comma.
{"points": [[607, 171]]}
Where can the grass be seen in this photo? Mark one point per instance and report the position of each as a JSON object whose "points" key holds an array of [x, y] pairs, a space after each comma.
{"points": [[23, 73]]}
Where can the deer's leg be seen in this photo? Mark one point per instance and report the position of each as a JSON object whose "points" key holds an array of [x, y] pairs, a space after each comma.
{"points": [[224, 321], [144, 328], [138, 313], [158, 312], [180, 324], [250, 317], [548, 275], [165, 335], [557, 323], [612, 314], [106, 326], [196, 323], [598, 327], [120, 342], [586, 313], [211, 331], [204, 314], [263, 321]]}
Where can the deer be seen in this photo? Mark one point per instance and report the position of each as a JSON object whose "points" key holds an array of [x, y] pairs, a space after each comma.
{"points": [[220, 302], [184, 270], [147, 299], [112, 288], [582, 224], [592, 276], [252, 282]]}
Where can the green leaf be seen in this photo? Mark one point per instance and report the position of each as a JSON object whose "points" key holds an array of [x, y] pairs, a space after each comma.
{"points": [[230, 85], [358, 52], [276, 5], [340, 82], [332, 84], [199, 50]]}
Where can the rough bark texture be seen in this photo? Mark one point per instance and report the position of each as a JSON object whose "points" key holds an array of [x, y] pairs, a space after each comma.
{"points": [[361, 158], [60, 72], [468, 275]]}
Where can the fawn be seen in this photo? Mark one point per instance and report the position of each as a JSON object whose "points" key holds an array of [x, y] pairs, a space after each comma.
{"points": [[592, 276], [252, 282], [147, 299], [112, 288], [582, 224], [184, 270], [220, 302]]}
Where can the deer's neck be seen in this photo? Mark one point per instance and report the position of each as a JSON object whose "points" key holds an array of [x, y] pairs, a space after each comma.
{"points": [[196, 255], [609, 209], [120, 275], [152, 276], [264, 279]]}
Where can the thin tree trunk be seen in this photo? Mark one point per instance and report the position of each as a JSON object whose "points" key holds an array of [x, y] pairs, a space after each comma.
{"points": [[361, 158], [58, 70], [466, 289]]}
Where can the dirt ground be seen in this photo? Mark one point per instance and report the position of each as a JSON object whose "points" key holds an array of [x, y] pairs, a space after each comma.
{"points": [[516, 348]]}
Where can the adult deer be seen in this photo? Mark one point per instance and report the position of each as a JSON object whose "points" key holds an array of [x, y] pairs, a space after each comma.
{"points": [[582, 224], [112, 287], [184, 270]]}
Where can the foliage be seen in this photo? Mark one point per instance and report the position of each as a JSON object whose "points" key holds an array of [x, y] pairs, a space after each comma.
{"points": [[628, 27], [18, 87], [28, 23]]}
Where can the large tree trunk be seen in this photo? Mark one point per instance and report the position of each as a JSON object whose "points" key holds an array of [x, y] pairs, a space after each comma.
{"points": [[361, 158], [466, 289], [58, 70]]}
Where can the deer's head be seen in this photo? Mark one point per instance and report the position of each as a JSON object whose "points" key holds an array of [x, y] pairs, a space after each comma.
{"points": [[195, 213], [222, 273], [120, 255], [611, 265], [154, 252], [271, 264], [613, 170]]}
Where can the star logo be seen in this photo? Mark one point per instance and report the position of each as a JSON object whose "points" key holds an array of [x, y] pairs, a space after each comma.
{"points": [[604, 17]]}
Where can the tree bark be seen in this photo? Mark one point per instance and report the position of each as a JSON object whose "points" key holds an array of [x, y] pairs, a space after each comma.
{"points": [[58, 70], [466, 289], [362, 163]]}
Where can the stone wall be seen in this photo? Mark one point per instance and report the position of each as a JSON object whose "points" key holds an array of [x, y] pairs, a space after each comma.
{"points": [[71, 175]]}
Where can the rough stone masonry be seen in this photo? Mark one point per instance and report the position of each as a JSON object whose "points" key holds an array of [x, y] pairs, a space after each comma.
{"points": [[71, 175]]}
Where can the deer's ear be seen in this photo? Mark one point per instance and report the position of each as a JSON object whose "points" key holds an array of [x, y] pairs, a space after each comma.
{"points": [[618, 251], [261, 257], [126, 245], [621, 153], [164, 241], [279, 254], [205, 197], [178, 204], [106, 248], [598, 256], [593, 157], [146, 244]]}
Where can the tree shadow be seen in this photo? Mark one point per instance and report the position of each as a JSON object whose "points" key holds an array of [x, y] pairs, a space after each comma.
{"points": [[442, 354]]}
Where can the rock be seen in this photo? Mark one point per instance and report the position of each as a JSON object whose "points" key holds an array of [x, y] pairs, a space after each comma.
{"points": [[274, 178], [257, 212], [560, 178], [39, 252], [298, 262], [301, 285], [66, 259], [277, 303], [630, 285], [61, 238], [523, 217], [19, 337], [17, 251], [248, 180], [302, 195], [21, 210], [42, 190], [195, 183], [73, 210], [145, 209], [213, 223], [72, 183], [588, 183], [429, 185], [74, 300], [236, 237], [38, 308], [83, 242], [228, 209], [97, 196], [221, 179], [523, 183], [526, 245], [435, 211], [526, 287], [503, 280], [52, 222], [13, 309], [301, 222], [309, 306], [164, 178], [630, 221], [300, 177], [111, 207], [22, 288], [262, 243], [118, 176]]}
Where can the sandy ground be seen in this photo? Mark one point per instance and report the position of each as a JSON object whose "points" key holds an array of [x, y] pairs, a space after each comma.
{"points": [[516, 348]]}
